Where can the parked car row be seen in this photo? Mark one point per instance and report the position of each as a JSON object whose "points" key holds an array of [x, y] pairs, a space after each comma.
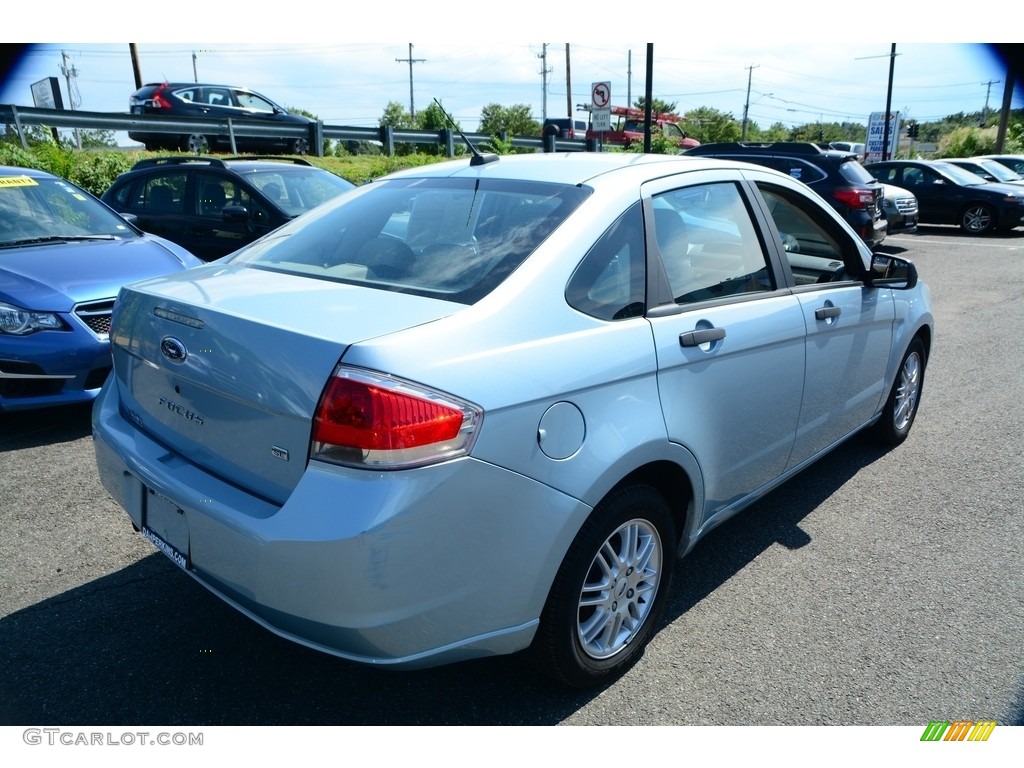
{"points": [[948, 193], [64, 255], [408, 356], [836, 175]]}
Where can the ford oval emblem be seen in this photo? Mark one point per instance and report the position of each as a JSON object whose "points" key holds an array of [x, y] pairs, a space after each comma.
{"points": [[173, 349]]}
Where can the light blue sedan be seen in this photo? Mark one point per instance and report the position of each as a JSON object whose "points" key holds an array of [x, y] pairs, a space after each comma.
{"points": [[483, 406]]}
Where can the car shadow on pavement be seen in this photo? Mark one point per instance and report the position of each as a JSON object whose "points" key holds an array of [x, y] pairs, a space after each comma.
{"points": [[148, 645], [44, 426]]}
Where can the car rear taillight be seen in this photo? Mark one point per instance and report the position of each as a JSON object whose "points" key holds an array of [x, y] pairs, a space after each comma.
{"points": [[371, 420], [158, 100], [855, 197]]}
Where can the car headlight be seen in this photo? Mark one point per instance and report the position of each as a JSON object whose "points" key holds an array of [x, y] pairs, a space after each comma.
{"points": [[21, 322]]}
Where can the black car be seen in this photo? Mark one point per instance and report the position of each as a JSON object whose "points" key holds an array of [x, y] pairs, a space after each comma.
{"points": [[835, 175], [213, 102], [947, 194], [212, 207]]}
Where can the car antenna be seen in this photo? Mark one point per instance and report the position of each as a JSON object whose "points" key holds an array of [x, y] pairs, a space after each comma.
{"points": [[478, 158]]}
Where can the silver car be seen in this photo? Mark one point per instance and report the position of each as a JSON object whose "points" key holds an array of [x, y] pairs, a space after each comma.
{"points": [[483, 406]]}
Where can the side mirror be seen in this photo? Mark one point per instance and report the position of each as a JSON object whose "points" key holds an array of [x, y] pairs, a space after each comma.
{"points": [[891, 272], [234, 214]]}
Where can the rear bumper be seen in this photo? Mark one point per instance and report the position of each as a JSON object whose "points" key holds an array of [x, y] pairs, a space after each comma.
{"points": [[402, 569]]}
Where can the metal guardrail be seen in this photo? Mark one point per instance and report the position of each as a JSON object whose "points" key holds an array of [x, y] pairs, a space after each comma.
{"points": [[20, 117]]}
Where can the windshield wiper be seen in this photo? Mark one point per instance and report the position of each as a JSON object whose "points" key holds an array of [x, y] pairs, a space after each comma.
{"points": [[57, 239]]}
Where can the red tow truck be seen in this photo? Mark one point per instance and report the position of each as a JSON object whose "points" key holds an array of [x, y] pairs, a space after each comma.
{"points": [[630, 128]]}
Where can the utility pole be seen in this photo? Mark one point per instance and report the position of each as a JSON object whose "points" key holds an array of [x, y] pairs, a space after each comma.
{"points": [[888, 104], [136, 67], [746, 105], [195, 70], [411, 61], [629, 79], [70, 73], [544, 71], [568, 84], [648, 97], [988, 90]]}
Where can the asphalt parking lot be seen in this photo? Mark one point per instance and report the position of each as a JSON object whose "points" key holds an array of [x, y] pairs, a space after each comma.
{"points": [[877, 588]]}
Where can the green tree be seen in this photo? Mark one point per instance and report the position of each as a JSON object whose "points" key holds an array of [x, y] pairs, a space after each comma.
{"points": [[967, 142], [711, 125], [657, 106], [396, 116], [660, 144], [516, 120]]}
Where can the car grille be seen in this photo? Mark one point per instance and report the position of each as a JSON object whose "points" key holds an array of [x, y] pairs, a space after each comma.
{"points": [[96, 315], [906, 205]]}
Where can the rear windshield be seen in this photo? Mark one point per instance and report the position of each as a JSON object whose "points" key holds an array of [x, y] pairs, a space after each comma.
{"points": [[455, 239], [855, 173]]}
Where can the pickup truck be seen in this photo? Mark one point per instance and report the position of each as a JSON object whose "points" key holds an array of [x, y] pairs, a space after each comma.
{"points": [[630, 128]]}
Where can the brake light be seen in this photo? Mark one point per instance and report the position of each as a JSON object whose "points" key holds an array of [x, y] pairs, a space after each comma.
{"points": [[855, 197], [365, 419], [158, 100]]}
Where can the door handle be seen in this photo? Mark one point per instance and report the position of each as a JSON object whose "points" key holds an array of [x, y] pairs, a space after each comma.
{"points": [[826, 313], [704, 336]]}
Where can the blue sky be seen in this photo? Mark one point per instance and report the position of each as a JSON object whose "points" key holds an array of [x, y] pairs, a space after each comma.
{"points": [[804, 79]]}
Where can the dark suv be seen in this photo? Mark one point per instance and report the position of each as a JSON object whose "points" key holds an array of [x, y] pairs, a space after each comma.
{"points": [[213, 102], [835, 175], [212, 207]]}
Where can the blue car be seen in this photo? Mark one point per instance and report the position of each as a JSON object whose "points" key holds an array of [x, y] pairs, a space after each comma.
{"points": [[64, 256], [482, 406]]}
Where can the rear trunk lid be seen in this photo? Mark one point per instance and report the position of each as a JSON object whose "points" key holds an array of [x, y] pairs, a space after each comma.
{"points": [[225, 364]]}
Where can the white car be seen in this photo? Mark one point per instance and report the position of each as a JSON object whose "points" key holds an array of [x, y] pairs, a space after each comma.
{"points": [[899, 206], [849, 146]]}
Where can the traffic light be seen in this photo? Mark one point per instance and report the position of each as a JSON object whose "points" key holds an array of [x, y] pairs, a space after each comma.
{"points": [[912, 130]]}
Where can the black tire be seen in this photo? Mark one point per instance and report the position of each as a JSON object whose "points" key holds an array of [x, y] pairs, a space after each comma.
{"points": [[300, 147], [977, 219], [901, 407], [610, 591]]}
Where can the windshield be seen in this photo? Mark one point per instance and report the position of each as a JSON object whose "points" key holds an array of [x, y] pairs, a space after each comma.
{"points": [[43, 208], [454, 239], [999, 170], [297, 190], [959, 175]]}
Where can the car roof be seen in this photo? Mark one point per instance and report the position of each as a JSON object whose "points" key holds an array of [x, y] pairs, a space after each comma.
{"points": [[573, 168], [32, 173], [231, 163], [775, 148], [198, 85]]}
